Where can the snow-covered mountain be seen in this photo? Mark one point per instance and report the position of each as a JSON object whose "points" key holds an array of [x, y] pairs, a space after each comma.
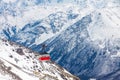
{"points": [[112, 76], [20, 63], [81, 35], [34, 32], [91, 44]]}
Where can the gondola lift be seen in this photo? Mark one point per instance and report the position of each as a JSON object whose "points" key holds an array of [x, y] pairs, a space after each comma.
{"points": [[44, 56]]}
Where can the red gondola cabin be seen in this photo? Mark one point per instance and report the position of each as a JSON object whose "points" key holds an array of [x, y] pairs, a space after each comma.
{"points": [[44, 57]]}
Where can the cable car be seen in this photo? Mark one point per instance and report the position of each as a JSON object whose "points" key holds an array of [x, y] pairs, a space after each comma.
{"points": [[44, 56]]}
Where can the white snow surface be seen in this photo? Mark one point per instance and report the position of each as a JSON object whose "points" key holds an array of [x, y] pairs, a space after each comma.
{"points": [[26, 66]]}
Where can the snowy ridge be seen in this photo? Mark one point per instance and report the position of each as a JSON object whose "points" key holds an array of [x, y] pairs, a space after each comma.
{"points": [[23, 65], [39, 31], [48, 26]]}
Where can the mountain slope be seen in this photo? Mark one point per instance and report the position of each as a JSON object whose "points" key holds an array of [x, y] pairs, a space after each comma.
{"points": [[91, 44], [112, 76], [19, 63]]}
